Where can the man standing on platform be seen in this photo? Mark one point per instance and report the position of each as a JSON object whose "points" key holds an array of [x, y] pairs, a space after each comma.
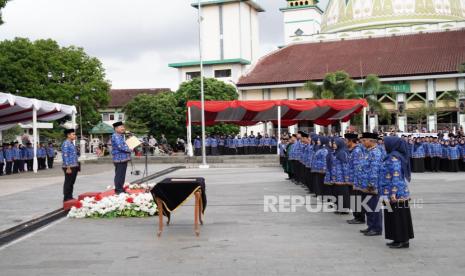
{"points": [[121, 155], [70, 164]]}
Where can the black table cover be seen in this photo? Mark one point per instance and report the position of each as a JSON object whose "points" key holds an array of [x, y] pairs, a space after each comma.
{"points": [[175, 191]]}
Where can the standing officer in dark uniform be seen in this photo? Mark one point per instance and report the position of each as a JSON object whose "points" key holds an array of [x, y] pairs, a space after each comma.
{"points": [[50, 155], [2, 159], [121, 155], [70, 164]]}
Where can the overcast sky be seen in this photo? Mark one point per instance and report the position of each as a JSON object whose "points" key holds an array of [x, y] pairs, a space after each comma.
{"points": [[134, 39]]}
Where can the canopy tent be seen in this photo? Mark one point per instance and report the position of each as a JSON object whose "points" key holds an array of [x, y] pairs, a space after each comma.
{"points": [[16, 109], [102, 128], [280, 112]]}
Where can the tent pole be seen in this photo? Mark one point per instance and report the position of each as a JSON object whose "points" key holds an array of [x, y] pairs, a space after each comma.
{"points": [[73, 122], [34, 135], [279, 129], [190, 152], [364, 119]]}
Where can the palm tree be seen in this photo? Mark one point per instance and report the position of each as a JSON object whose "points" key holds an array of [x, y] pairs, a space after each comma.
{"points": [[337, 85], [371, 88]]}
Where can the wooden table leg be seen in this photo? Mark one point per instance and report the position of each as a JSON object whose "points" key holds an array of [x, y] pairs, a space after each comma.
{"points": [[196, 213], [160, 217], [201, 211]]}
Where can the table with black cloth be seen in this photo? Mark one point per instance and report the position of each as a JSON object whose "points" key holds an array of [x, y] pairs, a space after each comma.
{"points": [[172, 193]]}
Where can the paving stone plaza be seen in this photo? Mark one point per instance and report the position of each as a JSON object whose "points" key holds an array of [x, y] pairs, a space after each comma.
{"points": [[237, 238]]}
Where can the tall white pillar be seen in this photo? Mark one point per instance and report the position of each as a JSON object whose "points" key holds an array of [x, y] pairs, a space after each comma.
{"points": [[73, 122], [190, 151], [344, 127], [279, 128], [372, 123], [35, 137], [431, 97], [432, 122], [462, 120], [364, 119], [401, 117], [402, 123]]}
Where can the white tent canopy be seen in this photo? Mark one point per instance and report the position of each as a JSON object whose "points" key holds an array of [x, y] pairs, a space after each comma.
{"points": [[16, 109]]}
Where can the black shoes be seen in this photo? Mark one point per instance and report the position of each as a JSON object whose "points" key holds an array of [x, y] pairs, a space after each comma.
{"points": [[372, 233], [399, 245], [355, 221], [364, 231]]}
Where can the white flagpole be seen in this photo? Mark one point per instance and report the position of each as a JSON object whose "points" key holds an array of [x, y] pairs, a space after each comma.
{"points": [[202, 92]]}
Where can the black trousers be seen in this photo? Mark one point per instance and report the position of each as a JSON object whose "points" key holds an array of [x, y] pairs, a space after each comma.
{"points": [[120, 176], [1, 168], [428, 167], [341, 192], [197, 151], [68, 186], [9, 167], [16, 165], [41, 163], [50, 162], [435, 164], [359, 214], [21, 165], [29, 163]]}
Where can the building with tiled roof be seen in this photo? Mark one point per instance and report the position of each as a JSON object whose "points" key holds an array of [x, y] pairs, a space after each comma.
{"points": [[119, 98], [423, 69], [415, 46]]}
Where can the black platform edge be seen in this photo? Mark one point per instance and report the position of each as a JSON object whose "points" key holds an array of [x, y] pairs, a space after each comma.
{"points": [[30, 226]]}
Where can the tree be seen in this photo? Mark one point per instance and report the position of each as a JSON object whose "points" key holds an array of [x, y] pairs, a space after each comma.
{"points": [[336, 85], [10, 135], [2, 5], [420, 115], [160, 114], [166, 113], [44, 70], [214, 90], [372, 87]]}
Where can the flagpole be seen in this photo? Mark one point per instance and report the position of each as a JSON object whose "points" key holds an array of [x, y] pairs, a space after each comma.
{"points": [[202, 92]]}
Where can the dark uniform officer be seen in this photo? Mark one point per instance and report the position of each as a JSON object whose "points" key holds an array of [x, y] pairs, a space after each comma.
{"points": [[70, 163]]}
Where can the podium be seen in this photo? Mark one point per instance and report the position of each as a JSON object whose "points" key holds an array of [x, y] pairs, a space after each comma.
{"points": [[172, 193]]}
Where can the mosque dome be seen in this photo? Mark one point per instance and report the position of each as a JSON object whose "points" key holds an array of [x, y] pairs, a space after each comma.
{"points": [[353, 15]]}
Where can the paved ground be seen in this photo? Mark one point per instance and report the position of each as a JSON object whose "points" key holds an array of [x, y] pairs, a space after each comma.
{"points": [[26, 196], [238, 238]]}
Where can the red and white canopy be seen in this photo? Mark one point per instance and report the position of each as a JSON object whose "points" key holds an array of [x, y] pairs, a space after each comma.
{"points": [[16, 109], [246, 113]]}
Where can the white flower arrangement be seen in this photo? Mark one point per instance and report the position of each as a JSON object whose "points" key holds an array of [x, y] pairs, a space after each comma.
{"points": [[122, 205], [144, 186]]}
